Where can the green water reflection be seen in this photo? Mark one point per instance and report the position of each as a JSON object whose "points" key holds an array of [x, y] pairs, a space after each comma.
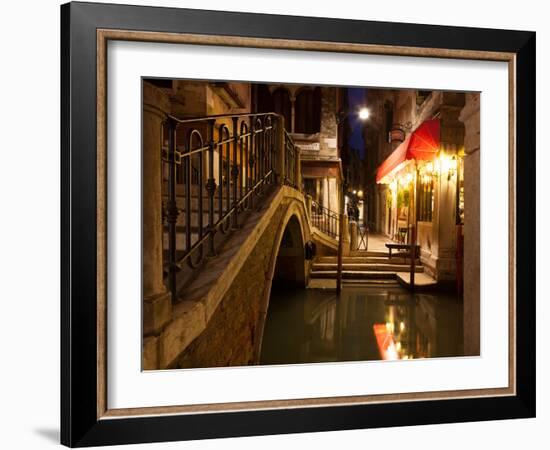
{"points": [[365, 323]]}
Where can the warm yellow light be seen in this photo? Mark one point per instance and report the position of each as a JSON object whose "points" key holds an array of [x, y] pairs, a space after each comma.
{"points": [[398, 346], [402, 326], [429, 167], [453, 164], [444, 163], [448, 164], [437, 165], [393, 186], [364, 113], [360, 194], [408, 178]]}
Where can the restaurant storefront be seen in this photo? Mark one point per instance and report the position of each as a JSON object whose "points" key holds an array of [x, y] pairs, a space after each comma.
{"points": [[424, 198]]}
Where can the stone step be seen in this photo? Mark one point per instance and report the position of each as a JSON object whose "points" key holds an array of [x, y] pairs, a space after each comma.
{"points": [[422, 280], [373, 282], [362, 267], [362, 260], [346, 274], [367, 258]]}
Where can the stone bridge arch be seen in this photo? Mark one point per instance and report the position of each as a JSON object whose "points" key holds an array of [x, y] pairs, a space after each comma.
{"points": [[221, 321], [287, 264]]}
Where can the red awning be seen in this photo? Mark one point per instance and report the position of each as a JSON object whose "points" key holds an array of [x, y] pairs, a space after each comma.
{"points": [[422, 145]]}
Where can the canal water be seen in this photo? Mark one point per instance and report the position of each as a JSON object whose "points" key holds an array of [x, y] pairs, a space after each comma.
{"points": [[365, 323]]}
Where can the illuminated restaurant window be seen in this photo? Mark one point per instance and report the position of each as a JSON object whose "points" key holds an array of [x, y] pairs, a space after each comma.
{"points": [[425, 199]]}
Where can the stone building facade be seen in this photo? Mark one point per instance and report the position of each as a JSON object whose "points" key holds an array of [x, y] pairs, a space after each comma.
{"points": [[396, 114], [310, 114], [177, 333], [310, 118]]}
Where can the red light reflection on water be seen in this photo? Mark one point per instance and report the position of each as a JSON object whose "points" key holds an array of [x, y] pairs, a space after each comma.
{"points": [[385, 342]]}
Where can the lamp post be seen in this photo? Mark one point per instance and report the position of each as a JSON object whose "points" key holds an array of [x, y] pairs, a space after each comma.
{"points": [[363, 114]]}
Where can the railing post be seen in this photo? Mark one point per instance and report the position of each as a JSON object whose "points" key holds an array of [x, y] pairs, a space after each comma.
{"points": [[172, 208], [353, 235], [414, 231], [412, 255], [281, 150], [273, 149], [210, 187], [252, 160], [309, 201], [340, 246], [235, 174], [339, 257], [298, 168]]}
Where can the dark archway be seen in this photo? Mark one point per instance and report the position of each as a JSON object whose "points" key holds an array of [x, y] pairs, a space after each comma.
{"points": [[290, 270]]}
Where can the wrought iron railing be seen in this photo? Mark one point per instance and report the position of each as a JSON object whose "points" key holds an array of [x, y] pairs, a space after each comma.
{"points": [[325, 219], [362, 237], [214, 169], [290, 161]]}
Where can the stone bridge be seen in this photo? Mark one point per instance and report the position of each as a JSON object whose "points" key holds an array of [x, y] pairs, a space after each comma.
{"points": [[220, 322]]}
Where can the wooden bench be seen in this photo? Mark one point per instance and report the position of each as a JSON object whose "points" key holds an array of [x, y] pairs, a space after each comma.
{"points": [[392, 246]]}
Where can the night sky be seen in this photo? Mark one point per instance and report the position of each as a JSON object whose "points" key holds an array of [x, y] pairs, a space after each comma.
{"points": [[356, 97]]}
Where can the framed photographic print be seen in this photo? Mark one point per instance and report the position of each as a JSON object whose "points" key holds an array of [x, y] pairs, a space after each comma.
{"points": [[277, 224]]}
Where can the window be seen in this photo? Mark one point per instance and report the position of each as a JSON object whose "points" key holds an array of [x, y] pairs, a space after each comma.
{"points": [[308, 111], [425, 199], [310, 186], [281, 104], [263, 99]]}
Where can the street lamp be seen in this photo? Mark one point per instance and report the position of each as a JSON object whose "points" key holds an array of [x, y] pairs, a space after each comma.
{"points": [[364, 113]]}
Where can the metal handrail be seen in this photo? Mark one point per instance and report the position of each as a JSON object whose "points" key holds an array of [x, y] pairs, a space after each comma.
{"points": [[362, 237], [221, 116], [214, 169], [325, 219], [290, 161]]}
